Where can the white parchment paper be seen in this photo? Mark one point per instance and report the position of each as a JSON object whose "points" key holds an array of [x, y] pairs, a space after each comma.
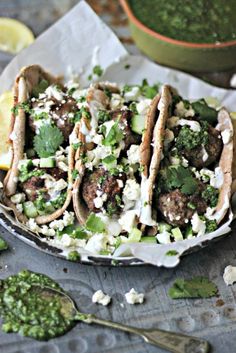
{"points": [[78, 42]]}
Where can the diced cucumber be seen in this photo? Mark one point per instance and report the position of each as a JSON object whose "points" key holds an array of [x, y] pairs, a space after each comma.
{"points": [[189, 232], [134, 236], [47, 162], [148, 240], [164, 227], [110, 162], [29, 209], [138, 124], [25, 164], [177, 234]]}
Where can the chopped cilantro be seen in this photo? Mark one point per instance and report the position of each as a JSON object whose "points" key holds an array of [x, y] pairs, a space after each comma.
{"points": [[101, 179], [197, 287], [40, 88], [127, 66], [40, 116], [118, 200], [103, 116], [189, 139], [210, 195], [109, 159], [25, 174], [47, 141], [95, 224], [111, 208], [107, 92], [3, 244], [133, 107], [191, 205], [71, 91], [90, 77], [83, 112], [60, 200], [73, 256], [75, 174], [83, 157], [114, 136], [177, 177], [75, 146], [97, 70], [25, 106], [172, 253], [211, 226], [81, 99], [149, 91]]}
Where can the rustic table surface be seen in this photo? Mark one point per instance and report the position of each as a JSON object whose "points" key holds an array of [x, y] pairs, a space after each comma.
{"points": [[213, 319]]}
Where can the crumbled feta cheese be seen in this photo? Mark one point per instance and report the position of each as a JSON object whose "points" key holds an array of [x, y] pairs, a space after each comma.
{"points": [[96, 243], [116, 101], [19, 207], [128, 220], [143, 106], [133, 297], [133, 154], [181, 111], [206, 174], [172, 122], [169, 137], [101, 298], [229, 275], [99, 200], [198, 225], [164, 237], [217, 179], [47, 231], [60, 224], [226, 136], [131, 190], [33, 225], [53, 92], [18, 198], [205, 155], [63, 166], [194, 125], [120, 183], [54, 187], [132, 95]]}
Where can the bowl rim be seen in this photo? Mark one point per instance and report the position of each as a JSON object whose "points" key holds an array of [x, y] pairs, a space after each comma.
{"points": [[138, 23]]}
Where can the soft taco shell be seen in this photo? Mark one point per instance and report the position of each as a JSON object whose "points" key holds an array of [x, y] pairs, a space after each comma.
{"points": [[25, 82]]}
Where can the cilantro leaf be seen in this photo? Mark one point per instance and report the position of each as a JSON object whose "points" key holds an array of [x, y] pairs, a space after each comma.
{"points": [[114, 136], [47, 141], [175, 177], [97, 70], [3, 244], [40, 88], [149, 91], [95, 224], [197, 287]]}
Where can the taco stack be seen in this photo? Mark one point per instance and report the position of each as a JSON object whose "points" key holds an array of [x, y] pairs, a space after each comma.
{"points": [[193, 185], [38, 185], [114, 174]]}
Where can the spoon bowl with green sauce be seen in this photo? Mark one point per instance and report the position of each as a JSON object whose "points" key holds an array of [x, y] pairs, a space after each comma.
{"points": [[196, 36], [34, 305]]}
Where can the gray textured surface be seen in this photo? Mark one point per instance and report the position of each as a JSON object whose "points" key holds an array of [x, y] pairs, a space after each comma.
{"points": [[203, 318]]}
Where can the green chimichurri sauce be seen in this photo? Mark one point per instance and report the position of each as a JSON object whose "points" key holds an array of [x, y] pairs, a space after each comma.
{"points": [[25, 312], [198, 21]]}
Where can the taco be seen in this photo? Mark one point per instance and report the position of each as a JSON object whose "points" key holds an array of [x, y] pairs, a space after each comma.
{"points": [[192, 188], [113, 163], [38, 184]]}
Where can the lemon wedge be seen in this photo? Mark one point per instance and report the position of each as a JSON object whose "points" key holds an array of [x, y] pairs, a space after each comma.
{"points": [[6, 103], [14, 35]]}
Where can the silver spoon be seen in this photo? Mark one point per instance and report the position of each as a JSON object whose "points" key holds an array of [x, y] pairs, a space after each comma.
{"points": [[173, 342]]}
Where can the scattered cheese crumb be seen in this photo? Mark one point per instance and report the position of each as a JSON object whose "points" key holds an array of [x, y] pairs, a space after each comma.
{"points": [[229, 275], [101, 298], [133, 297]]}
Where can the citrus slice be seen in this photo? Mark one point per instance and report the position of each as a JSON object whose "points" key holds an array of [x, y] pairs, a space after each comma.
{"points": [[14, 35], [6, 103]]}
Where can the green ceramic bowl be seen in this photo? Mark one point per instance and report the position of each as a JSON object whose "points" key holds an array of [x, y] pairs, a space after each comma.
{"points": [[179, 54]]}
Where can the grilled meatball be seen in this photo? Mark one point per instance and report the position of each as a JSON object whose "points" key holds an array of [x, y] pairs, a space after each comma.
{"points": [[32, 186], [59, 113], [100, 182], [213, 149], [56, 173], [124, 117], [177, 209]]}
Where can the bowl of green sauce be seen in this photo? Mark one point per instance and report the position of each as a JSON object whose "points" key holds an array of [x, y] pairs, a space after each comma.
{"points": [[197, 36]]}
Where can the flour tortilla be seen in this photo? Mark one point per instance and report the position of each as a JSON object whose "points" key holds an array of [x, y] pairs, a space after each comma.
{"points": [[28, 78]]}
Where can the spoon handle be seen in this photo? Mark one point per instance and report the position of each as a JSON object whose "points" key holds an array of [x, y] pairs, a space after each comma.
{"points": [[173, 342]]}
